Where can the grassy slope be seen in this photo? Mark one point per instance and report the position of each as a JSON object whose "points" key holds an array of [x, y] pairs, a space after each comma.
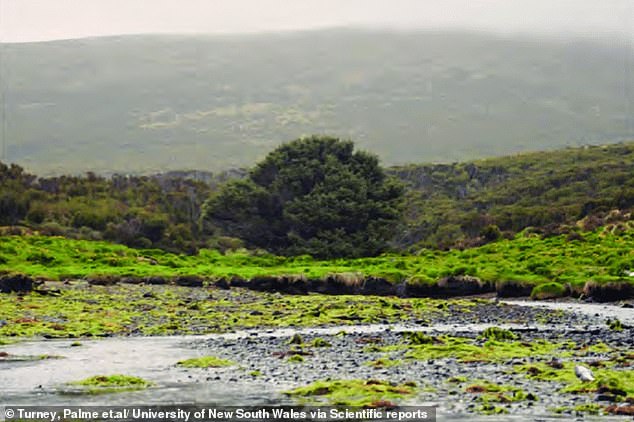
{"points": [[221, 102], [448, 205], [452, 203], [603, 255]]}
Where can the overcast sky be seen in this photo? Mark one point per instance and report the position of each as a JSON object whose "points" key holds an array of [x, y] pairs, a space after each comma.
{"points": [[37, 20]]}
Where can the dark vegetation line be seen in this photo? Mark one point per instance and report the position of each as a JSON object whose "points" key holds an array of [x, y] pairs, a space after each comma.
{"points": [[447, 205]]}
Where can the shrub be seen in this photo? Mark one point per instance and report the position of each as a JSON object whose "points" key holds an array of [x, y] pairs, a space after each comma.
{"points": [[311, 196]]}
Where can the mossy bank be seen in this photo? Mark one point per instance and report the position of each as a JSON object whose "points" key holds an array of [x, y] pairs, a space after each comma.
{"points": [[596, 264]]}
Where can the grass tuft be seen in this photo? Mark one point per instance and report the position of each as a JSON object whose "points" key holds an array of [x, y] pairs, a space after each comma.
{"points": [[205, 362]]}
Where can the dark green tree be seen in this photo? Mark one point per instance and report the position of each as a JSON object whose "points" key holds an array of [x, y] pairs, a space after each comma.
{"points": [[312, 196]]}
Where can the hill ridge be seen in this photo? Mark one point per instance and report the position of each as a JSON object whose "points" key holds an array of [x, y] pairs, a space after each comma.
{"points": [[150, 104]]}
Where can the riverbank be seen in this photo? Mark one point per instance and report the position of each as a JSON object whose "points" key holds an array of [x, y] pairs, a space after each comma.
{"points": [[596, 265], [80, 309], [440, 350]]}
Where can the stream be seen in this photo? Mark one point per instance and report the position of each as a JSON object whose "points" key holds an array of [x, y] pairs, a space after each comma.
{"points": [[43, 382]]}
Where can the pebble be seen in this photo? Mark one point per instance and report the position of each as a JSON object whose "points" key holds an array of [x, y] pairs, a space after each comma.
{"points": [[349, 357]]}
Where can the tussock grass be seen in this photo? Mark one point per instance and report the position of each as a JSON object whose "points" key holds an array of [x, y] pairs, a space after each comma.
{"points": [[597, 266]]}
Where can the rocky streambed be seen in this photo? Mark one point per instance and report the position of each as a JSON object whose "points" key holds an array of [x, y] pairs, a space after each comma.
{"points": [[488, 360]]}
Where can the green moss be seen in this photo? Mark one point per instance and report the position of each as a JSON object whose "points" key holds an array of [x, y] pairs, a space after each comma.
{"points": [[542, 371], [296, 359], [489, 392], [598, 347], [498, 334], [418, 338], [467, 350], [490, 409], [615, 324], [615, 382], [83, 311], [523, 258], [352, 392], [548, 291], [87, 311], [320, 342], [589, 408], [296, 339], [111, 384], [560, 409], [255, 373], [205, 362]]}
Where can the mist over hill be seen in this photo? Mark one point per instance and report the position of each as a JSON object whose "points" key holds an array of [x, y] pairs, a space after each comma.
{"points": [[143, 104]]}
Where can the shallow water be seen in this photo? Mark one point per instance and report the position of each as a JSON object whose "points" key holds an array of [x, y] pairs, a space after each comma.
{"points": [[42, 382], [595, 310]]}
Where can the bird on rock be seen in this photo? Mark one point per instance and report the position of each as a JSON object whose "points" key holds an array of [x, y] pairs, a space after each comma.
{"points": [[583, 373]]}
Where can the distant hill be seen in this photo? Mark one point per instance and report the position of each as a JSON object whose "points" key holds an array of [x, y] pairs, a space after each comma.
{"points": [[145, 104]]}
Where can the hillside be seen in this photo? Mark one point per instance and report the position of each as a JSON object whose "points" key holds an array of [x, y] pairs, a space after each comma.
{"points": [[144, 104], [568, 191], [464, 204]]}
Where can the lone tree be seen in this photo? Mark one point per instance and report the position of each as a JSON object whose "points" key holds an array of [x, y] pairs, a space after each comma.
{"points": [[311, 196]]}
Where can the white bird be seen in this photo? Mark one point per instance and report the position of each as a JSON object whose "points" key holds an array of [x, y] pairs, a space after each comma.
{"points": [[583, 373]]}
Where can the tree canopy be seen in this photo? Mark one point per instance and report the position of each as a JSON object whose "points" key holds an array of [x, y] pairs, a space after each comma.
{"points": [[312, 196]]}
